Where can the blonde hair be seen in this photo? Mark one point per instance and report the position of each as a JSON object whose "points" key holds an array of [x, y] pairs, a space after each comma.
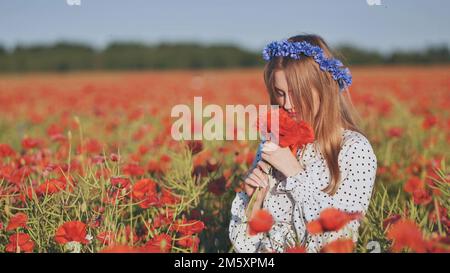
{"points": [[335, 111]]}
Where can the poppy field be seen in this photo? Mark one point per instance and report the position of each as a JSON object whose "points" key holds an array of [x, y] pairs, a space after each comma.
{"points": [[88, 164]]}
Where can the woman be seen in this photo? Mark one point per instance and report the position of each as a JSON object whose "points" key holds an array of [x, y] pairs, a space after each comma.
{"points": [[337, 170]]}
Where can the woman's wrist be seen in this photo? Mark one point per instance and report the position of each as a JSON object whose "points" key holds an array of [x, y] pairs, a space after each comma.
{"points": [[293, 169]]}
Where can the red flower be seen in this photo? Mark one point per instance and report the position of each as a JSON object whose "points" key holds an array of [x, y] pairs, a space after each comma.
{"points": [[120, 249], [339, 246], [20, 242], [293, 134], [30, 143], [168, 198], [188, 227], [145, 191], [190, 242], [331, 219], [91, 146], [155, 167], [391, 220], [421, 197], [54, 130], [217, 186], [114, 157], [296, 249], [195, 146], [262, 221], [121, 183], [406, 234], [413, 184], [395, 132], [159, 243], [429, 121], [133, 170], [51, 186], [18, 220], [6, 150], [73, 231]]}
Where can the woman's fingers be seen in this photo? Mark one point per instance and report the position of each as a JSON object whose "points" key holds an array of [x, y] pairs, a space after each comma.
{"points": [[264, 166], [251, 182], [265, 156], [261, 176], [259, 181]]}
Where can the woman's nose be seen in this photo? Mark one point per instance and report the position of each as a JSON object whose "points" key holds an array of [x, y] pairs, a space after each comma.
{"points": [[287, 103]]}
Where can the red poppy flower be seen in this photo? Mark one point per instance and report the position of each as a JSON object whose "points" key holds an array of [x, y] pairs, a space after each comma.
{"points": [[91, 146], [168, 198], [73, 231], [54, 129], [195, 146], [155, 167], [391, 220], [6, 150], [395, 132], [331, 219], [145, 191], [133, 170], [422, 197], [188, 227], [413, 184], [296, 249], [121, 183], [160, 243], [20, 242], [51, 186], [217, 186], [212, 165], [120, 249], [30, 143], [18, 220], [429, 121], [190, 242], [114, 157], [293, 134], [339, 246], [406, 234], [262, 221]]}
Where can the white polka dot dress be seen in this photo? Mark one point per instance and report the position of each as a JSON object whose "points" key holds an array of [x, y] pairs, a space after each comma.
{"points": [[299, 199]]}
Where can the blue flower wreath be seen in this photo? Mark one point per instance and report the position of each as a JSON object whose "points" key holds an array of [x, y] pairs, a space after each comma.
{"points": [[293, 50]]}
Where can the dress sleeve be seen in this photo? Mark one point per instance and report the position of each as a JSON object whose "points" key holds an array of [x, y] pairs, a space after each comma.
{"points": [[241, 241], [357, 163]]}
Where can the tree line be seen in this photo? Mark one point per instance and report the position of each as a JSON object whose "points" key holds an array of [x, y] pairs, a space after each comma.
{"points": [[65, 56]]}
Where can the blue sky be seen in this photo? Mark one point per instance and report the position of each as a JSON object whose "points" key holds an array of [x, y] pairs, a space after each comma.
{"points": [[399, 24]]}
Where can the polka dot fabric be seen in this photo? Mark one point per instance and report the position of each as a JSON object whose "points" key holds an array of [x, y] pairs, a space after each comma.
{"points": [[299, 199]]}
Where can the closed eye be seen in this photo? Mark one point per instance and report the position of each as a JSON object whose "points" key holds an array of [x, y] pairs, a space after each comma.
{"points": [[279, 92]]}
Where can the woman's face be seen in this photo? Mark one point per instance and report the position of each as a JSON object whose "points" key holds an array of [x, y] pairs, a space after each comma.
{"points": [[283, 95]]}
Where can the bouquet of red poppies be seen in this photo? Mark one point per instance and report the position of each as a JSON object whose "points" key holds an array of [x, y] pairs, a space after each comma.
{"points": [[291, 133]]}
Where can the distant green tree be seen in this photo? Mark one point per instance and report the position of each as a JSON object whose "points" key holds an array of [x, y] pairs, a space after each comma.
{"points": [[68, 56]]}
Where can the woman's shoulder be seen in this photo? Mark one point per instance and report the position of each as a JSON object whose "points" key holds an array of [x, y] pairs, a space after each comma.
{"points": [[355, 141], [350, 137]]}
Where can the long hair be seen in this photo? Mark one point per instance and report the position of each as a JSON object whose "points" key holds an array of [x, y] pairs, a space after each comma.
{"points": [[335, 109]]}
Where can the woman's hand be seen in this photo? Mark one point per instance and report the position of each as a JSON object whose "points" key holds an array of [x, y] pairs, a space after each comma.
{"points": [[281, 159], [256, 178]]}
